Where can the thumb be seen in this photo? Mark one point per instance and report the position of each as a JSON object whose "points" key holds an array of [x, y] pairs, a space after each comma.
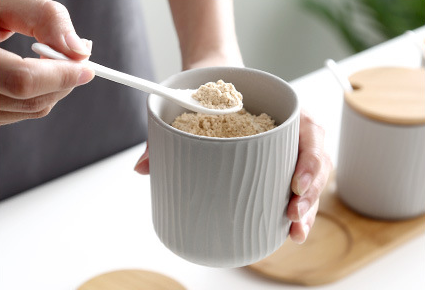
{"points": [[48, 21]]}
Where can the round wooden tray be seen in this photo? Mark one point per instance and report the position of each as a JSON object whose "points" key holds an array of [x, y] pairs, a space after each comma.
{"points": [[131, 280]]}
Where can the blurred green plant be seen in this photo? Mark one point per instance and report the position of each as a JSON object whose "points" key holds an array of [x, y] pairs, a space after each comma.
{"points": [[364, 23]]}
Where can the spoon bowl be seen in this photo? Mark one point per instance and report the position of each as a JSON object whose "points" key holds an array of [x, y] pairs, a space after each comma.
{"points": [[181, 97]]}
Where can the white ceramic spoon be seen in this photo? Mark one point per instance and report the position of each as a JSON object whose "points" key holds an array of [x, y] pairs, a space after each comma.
{"points": [[340, 77], [419, 43], [181, 97]]}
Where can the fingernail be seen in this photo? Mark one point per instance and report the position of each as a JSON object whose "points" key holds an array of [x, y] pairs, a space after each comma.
{"points": [[143, 158], [89, 44], [306, 230], [142, 167], [303, 207], [303, 183], [76, 44], [301, 238], [85, 76]]}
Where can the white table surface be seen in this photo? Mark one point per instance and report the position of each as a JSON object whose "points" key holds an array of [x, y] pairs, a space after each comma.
{"points": [[98, 219]]}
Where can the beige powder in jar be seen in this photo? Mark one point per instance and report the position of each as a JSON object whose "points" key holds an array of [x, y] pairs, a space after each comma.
{"points": [[218, 95], [237, 124]]}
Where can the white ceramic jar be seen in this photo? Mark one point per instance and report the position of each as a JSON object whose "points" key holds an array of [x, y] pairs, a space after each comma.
{"points": [[381, 162], [222, 202]]}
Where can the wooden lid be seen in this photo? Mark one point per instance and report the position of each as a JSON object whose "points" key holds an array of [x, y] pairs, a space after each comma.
{"points": [[393, 95], [131, 280]]}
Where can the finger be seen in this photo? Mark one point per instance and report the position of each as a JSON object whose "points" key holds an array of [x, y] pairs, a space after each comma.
{"points": [[142, 165], [5, 34], [300, 230], [87, 43], [299, 206], [310, 155], [48, 21], [13, 117], [5, 123], [29, 77], [32, 105]]}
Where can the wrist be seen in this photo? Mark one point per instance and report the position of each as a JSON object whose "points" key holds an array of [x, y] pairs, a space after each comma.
{"points": [[213, 56]]}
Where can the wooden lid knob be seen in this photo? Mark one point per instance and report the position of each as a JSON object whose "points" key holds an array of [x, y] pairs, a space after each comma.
{"points": [[393, 95]]}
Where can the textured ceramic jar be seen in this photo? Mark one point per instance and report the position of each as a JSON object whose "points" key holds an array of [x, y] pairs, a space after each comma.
{"points": [[222, 202], [381, 162]]}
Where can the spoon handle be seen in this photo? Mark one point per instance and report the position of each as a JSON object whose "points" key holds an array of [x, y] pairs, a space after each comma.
{"points": [[107, 73], [415, 39], [126, 79], [340, 77]]}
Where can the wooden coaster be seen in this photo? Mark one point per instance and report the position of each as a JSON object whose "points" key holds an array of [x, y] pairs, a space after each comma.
{"points": [[340, 242], [131, 280]]}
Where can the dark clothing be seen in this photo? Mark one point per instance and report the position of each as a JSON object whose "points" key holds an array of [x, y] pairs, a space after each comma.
{"points": [[95, 120]]}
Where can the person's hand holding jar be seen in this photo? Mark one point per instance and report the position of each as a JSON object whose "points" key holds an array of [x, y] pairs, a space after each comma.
{"points": [[208, 38]]}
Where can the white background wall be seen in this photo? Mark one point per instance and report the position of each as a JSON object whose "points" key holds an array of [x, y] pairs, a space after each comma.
{"points": [[276, 36]]}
